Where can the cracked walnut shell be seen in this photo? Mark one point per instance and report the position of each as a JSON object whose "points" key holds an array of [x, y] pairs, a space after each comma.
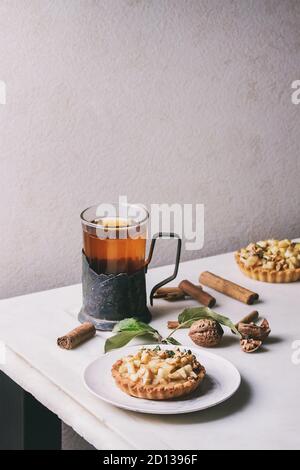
{"points": [[251, 330], [206, 333], [250, 345]]}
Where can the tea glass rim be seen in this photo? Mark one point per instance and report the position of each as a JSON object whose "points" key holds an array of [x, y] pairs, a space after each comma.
{"points": [[107, 228]]}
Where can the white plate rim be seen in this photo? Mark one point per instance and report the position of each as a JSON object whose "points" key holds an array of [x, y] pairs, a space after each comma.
{"points": [[166, 412]]}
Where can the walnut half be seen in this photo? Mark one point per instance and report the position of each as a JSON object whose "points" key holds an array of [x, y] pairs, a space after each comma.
{"points": [[251, 330], [250, 345], [253, 335]]}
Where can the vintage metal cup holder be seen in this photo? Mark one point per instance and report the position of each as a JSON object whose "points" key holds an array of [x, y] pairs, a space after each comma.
{"points": [[111, 297]]}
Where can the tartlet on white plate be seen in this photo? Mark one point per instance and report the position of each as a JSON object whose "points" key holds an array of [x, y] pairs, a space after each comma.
{"points": [[158, 374], [275, 261]]}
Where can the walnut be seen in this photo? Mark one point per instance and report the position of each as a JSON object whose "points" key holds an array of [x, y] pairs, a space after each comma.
{"points": [[250, 345], [251, 330], [207, 333]]}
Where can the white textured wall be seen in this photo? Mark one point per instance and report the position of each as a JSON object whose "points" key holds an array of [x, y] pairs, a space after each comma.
{"points": [[162, 100], [165, 101]]}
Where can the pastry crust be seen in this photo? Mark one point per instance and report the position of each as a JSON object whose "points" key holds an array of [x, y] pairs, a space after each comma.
{"points": [[266, 275], [166, 391]]}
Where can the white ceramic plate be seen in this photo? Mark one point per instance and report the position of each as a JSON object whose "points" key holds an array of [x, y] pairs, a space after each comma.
{"points": [[221, 382]]}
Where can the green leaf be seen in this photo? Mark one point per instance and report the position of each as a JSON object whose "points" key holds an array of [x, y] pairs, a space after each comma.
{"points": [[171, 340], [132, 324], [190, 315], [121, 339], [128, 329]]}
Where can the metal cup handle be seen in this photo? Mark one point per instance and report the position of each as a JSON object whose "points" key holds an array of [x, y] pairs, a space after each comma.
{"points": [[151, 250]]}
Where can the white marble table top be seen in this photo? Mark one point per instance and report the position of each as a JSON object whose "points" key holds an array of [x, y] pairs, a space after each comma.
{"points": [[264, 413]]}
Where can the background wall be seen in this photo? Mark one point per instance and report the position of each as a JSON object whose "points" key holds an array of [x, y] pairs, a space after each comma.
{"points": [[160, 100]]}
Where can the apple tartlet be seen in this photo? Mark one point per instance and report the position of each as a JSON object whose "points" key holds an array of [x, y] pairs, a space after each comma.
{"points": [[158, 374], [270, 261]]}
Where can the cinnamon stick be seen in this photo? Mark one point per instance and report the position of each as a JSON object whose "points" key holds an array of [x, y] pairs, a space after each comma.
{"points": [[169, 293], [228, 288], [162, 291], [197, 293], [77, 336], [251, 317]]}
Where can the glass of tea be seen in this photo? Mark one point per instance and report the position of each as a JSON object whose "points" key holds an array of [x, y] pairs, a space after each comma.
{"points": [[114, 237]]}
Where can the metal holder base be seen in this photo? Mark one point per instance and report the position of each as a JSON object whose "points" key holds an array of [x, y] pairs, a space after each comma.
{"points": [[109, 298]]}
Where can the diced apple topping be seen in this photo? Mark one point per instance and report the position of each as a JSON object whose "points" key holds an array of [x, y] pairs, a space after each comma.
{"points": [[156, 366], [276, 255]]}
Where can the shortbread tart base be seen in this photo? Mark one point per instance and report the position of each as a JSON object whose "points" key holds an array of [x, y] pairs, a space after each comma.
{"points": [[156, 392], [267, 275]]}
